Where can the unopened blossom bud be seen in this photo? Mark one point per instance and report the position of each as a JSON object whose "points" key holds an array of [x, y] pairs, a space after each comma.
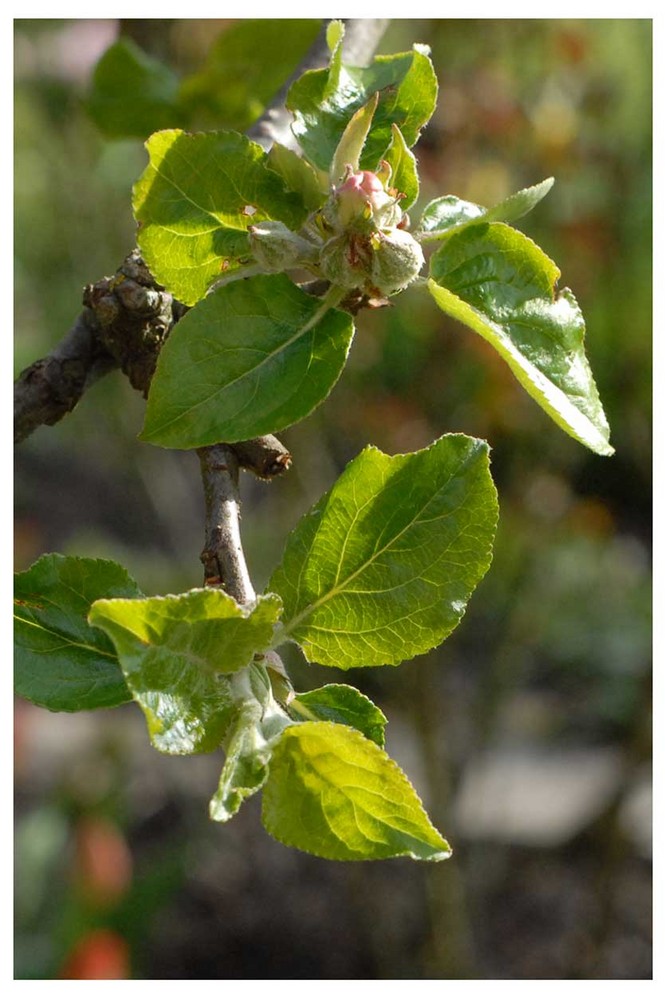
{"points": [[386, 261], [362, 197], [275, 248], [396, 260], [346, 259]]}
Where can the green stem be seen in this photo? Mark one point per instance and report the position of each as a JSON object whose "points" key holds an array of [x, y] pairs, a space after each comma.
{"points": [[246, 271]]}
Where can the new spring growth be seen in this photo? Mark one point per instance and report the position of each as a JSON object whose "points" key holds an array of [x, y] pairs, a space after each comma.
{"points": [[357, 241], [275, 248], [371, 250], [363, 198]]}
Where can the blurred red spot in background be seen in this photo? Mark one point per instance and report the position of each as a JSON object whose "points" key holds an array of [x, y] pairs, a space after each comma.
{"points": [[103, 861], [100, 954]]}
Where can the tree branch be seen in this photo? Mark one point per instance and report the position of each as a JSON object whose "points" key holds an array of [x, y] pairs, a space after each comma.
{"points": [[223, 557], [124, 324], [362, 35], [50, 388]]}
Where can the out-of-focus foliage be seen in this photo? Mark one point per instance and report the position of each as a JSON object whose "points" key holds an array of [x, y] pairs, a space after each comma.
{"points": [[553, 653]]}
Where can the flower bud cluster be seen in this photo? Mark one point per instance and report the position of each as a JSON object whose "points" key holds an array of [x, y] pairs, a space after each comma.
{"points": [[356, 241], [370, 249]]}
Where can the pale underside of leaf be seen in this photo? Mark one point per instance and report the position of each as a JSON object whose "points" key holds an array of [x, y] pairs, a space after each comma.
{"points": [[559, 406], [449, 214], [499, 283], [246, 766], [177, 654]]}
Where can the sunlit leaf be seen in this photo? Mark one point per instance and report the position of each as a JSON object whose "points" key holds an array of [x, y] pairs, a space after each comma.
{"points": [[176, 653], [335, 794], [500, 284], [323, 104], [404, 177], [382, 566], [298, 175], [351, 144], [195, 202]]}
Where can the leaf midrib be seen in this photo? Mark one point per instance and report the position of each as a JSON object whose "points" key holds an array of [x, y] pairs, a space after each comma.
{"points": [[65, 639], [339, 588], [250, 372]]}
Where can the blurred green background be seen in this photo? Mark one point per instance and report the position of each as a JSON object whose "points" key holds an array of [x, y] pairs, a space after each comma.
{"points": [[528, 732]]}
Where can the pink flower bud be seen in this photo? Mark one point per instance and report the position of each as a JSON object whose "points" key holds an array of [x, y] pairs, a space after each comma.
{"points": [[364, 181], [362, 195]]}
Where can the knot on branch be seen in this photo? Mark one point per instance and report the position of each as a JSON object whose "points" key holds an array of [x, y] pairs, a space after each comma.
{"points": [[132, 316]]}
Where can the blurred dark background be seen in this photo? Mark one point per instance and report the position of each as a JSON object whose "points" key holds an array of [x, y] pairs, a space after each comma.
{"points": [[528, 732]]}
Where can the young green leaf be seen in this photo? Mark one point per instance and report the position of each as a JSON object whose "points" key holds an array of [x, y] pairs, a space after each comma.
{"points": [[404, 177], [351, 144], [246, 766], [500, 284], [335, 794], [249, 741], [449, 214], [520, 203], [195, 202], [61, 662], [343, 704], [176, 651], [133, 94], [324, 101], [251, 358], [382, 566], [298, 175], [334, 35]]}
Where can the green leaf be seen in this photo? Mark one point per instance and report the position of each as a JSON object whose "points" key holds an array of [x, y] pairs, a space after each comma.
{"points": [[298, 176], [518, 204], [176, 651], [246, 766], [323, 104], [404, 177], [497, 282], [382, 566], [334, 34], [249, 742], [353, 139], [195, 202], [133, 94], [450, 214], [245, 68], [343, 704], [61, 662], [250, 359], [335, 794]]}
